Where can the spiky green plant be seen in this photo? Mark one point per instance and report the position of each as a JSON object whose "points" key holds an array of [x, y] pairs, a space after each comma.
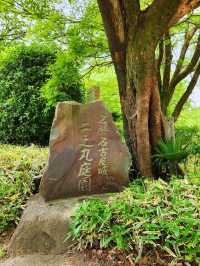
{"points": [[170, 153]]}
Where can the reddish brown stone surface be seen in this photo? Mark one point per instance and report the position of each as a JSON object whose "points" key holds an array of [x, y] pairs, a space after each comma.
{"points": [[86, 154]]}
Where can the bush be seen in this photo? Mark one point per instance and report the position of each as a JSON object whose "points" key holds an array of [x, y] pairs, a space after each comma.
{"points": [[148, 215], [23, 71], [18, 166], [25, 114]]}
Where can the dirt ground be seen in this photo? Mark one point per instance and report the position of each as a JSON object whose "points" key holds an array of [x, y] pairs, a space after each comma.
{"points": [[91, 257]]}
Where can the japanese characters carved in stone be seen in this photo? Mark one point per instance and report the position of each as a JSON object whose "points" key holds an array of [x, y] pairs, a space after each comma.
{"points": [[86, 154]]}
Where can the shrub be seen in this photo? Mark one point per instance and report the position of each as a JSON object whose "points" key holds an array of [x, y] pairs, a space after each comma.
{"points": [[25, 114], [23, 71], [18, 166], [148, 215]]}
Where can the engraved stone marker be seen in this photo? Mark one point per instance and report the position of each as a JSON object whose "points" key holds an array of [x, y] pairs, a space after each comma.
{"points": [[86, 154]]}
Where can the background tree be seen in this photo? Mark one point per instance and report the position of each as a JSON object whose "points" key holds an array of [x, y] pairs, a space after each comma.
{"points": [[65, 82]]}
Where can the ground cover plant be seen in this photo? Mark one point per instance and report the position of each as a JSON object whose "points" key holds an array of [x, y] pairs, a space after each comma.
{"points": [[18, 166], [149, 215]]}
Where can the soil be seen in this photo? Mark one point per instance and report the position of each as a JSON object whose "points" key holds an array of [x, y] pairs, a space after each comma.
{"points": [[6, 236], [96, 257], [119, 258]]}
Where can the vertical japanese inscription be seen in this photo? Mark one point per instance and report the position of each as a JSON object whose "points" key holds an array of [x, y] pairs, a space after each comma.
{"points": [[85, 159], [103, 147]]}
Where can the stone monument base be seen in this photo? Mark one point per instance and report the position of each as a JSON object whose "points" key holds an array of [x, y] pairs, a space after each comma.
{"points": [[44, 226]]}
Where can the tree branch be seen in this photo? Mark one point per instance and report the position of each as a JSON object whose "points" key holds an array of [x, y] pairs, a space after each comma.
{"points": [[189, 69], [187, 93], [14, 5], [14, 36], [178, 74], [184, 8], [184, 73], [159, 63], [188, 36], [168, 62], [92, 67], [162, 14]]}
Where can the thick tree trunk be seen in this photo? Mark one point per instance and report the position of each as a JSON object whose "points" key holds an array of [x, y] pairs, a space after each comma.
{"points": [[141, 106]]}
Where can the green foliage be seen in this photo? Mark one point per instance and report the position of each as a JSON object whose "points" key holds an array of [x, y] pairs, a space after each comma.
{"points": [[147, 215], [87, 39], [187, 132], [184, 151], [65, 81], [23, 70], [106, 80], [189, 118], [16, 18], [145, 4], [2, 252], [192, 164], [180, 88], [195, 147], [171, 152], [192, 135], [26, 112], [18, 166]]}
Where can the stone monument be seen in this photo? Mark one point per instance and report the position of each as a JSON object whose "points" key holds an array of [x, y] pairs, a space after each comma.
{"points": [[86, 153]]}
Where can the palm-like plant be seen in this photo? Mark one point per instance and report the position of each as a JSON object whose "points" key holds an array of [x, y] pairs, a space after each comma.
{"points": [[170, 153]]}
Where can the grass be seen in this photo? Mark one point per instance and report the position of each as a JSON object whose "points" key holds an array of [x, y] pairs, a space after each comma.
{"points": [[18, 166], [149, 215]]}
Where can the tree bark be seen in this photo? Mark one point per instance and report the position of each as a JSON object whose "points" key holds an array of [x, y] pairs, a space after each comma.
{"points": [[141, 104]]}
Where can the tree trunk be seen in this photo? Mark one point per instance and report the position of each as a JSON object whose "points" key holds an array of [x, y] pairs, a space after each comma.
{"points": [[169, 128], [140, 102]]}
